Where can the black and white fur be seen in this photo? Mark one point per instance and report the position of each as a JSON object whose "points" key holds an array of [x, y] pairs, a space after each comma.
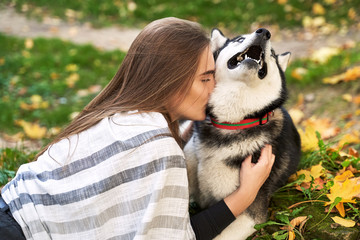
{"points": [[250, 82]]}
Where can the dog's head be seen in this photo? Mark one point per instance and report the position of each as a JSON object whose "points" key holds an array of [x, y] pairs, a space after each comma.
{"points": [[249, 75]]}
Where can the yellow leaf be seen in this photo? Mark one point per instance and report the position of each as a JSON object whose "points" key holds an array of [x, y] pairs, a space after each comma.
{"points": [[318, 9], [281, 2], [347, 191], [324, 54], [2, 61], [298, 73], [347, 97], [54, 76], [29, 44], [347, 174], [352, 14], [71, 68], [315, 171], [309, 141], [72, 79], [323, 126], [32, 130], [344, 222], [297, 115], [349, 138]]}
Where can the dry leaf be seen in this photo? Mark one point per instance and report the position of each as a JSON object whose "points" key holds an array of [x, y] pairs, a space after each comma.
{"points": [[315, 172], [297, 115], [72, 79], [29, 44], [298, 73], [346, 191], [291, 235], [341, 178], [349, 138], [323, 126], [318, 9], [309, 141], [32, 130], [352, 74], [71, 68], [344, 222], [347, 97], [324, 54]]}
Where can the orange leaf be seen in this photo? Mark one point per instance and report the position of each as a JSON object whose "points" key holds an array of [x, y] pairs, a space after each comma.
{"points": [[340, 208], [291, 235]]}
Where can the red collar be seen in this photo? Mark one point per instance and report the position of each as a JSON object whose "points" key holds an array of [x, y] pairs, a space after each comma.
{"points": [[243, 124]]}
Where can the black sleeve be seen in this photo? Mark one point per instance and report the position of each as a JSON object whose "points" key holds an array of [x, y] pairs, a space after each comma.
{"points": [[210, 222]]}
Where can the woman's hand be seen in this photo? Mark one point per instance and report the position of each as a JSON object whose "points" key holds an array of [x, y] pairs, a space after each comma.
{"points": [[252, 177]]}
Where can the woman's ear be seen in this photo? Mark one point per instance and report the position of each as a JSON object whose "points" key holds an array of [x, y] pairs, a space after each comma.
{"points": [[217, 39]]}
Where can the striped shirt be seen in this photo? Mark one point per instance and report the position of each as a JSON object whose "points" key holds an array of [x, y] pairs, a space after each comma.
{"points": [[124, 178]]}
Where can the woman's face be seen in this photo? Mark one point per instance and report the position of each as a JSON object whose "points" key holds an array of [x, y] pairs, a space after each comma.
{"points": [[194, 104]]}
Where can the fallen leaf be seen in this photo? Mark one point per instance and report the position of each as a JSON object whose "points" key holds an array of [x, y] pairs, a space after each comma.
{"points": [[347, 97], [352, 74], [349, 138], [346, 191], [341, 178], [324, 54], [343, 222], [291, 235], [352, 13], [315, 172], [318, 9], [32, 130], [296, 115], [323, 126], [29, 44], [309, 141], [72, 79], [298, 73], [71, 68]]}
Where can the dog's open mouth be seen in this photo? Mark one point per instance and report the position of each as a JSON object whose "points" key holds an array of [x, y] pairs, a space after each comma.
{"points": [[254, 53]]}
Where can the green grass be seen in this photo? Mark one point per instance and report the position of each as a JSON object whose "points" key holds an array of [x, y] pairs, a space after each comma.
{"points": [[231, 14], [43, 70], [10, 161]]}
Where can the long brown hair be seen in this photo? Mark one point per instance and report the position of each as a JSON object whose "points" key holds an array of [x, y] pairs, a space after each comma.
{"points": [[160, 64]]}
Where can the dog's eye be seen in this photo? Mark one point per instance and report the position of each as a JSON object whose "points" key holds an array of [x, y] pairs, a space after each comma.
{"points": [[240, 40]]}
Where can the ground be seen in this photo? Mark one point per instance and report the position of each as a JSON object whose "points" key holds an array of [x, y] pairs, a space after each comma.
{"points": [[321, 101]]}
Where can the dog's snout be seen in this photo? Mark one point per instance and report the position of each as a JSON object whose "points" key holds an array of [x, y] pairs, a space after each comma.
{"points": [[264, 33]]}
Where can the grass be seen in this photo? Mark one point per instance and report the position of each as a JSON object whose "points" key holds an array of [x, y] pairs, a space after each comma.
{"points": [[234, 15], [56, 71]]}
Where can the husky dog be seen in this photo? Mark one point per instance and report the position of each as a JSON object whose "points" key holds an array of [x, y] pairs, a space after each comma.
{"points": [[245, 112]]}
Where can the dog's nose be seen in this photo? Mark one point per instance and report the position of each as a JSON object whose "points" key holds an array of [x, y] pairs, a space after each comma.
{"points": [[264, 33]]}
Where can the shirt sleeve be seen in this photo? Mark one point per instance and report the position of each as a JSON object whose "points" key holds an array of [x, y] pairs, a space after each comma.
{"points": [[210, 222]]}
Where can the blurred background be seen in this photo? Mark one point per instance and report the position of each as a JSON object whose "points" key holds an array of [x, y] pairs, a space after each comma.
{"points": [[55, 56]]}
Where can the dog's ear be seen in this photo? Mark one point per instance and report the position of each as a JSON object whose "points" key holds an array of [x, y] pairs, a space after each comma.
{"points": [[217, 39], [283, 60]]}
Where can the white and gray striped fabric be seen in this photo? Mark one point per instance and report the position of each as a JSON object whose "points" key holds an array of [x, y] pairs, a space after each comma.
{"points": [[124, 178]]}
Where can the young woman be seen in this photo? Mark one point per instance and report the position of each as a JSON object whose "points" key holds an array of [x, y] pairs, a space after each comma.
{"points": [[118, 170]]}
